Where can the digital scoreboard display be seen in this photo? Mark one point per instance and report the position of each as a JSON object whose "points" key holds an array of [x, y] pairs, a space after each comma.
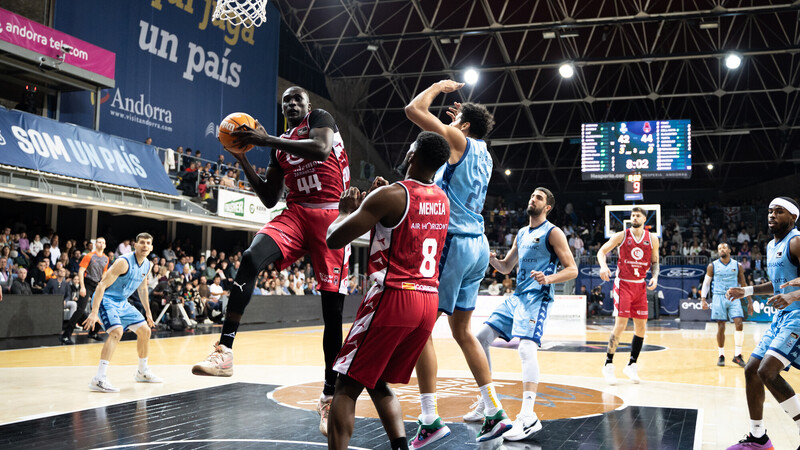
{"points": [[655, 148]]}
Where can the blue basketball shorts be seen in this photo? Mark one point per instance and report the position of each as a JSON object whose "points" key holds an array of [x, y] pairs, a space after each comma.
{"points": [[723, 309], [461, 269], [119, 314], [782, 337], [521, 316]]}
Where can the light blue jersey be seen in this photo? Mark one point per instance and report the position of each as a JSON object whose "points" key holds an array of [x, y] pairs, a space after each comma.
{"points": [[535, 253], [726, 276], [126, 284], [781, 268], [465, 183]]}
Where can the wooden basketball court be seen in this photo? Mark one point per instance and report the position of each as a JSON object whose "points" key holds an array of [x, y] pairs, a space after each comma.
{"points": [[684, 400]]}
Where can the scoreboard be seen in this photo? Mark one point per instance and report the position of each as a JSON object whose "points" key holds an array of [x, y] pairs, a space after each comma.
{"points": [[656, 149]]}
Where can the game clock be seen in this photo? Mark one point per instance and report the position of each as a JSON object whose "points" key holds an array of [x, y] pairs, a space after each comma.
{"points": [[657, 149], [633, 187]]}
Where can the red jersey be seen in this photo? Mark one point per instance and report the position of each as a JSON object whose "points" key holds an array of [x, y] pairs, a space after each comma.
{"points": [[315, 182], [407, 256], [634, 256]]}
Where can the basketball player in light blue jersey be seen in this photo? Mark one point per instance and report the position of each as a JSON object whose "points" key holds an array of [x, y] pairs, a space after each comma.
{"points": [[539, 248], [780, 345], [465, 256], [110, 307], [721, 275]]}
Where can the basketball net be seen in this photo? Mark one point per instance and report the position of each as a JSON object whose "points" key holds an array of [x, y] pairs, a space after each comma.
{"points": [[250, 13]]}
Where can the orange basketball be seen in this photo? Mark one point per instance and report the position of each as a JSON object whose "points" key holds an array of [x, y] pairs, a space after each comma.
{"points": [[234, 121]]}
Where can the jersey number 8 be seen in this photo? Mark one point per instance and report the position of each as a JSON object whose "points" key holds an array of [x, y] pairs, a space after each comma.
{"points": [[428, 267]]}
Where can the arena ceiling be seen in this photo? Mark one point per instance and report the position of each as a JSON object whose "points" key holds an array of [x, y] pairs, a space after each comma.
{"points": [[634, 60]]}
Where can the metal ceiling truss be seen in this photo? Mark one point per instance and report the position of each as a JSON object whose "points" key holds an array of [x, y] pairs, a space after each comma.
{"points": [[634, 60]]}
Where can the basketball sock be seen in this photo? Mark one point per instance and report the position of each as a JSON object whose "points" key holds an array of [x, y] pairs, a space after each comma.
{"points": [[332, 305], [429, 411], [721, 351], [491, 402], [792, 408], [609, 358], [738, 340], [262, 251], [142, 364], [399, 443], [636, 347], [757, 428], [101, 369], [528, 401]]}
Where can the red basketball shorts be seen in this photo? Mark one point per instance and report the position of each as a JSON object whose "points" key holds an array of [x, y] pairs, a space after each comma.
{"points": [[630, 299], [388, 335], [299, 230]]}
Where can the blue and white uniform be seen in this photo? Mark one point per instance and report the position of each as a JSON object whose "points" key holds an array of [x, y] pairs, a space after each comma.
{"points": [[465, 255], [115, 311], [726, 276], [523, 314], [782, 337]]}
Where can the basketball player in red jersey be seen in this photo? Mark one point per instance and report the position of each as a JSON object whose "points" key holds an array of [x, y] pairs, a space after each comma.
{"points": [[310, 160], [409, 222], [638, 252]]}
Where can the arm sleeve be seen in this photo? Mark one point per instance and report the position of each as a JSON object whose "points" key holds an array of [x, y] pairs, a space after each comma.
{"points": [[706, 287], [320, 118]]}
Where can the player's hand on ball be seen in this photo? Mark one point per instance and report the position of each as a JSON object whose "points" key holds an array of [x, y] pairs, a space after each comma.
{"points": [[605, 274], [653, 283], [249, 136], [377, 183], [734, 293], [792, 283], [350, 200]]}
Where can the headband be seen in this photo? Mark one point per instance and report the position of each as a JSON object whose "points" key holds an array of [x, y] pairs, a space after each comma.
{"points": [[787, 205]]}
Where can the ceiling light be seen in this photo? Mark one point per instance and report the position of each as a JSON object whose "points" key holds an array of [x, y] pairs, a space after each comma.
{"points": [[568, 35], [507, 172], [709, 25], [548, 34], [471, 76], [710, 167], [566, 70], [733, 61], [444, 40], [372, 47]]}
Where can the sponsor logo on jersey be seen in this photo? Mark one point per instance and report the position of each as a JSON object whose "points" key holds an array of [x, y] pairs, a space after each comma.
{"points": [[637, 253], [779, 254], [795, 336], [302, 131]]}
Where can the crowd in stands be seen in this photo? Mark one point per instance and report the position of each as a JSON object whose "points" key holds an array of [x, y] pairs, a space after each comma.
{"points": [[179, 275]]}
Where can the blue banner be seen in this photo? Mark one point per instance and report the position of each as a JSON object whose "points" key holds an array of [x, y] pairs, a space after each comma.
{"points": [[675, 282], [43, 144], [762, 312], [178, 73]]}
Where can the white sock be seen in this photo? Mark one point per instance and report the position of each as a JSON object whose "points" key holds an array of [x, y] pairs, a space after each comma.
{"points": [[101, 370], [721, 351], [792, 408], [738, 340], [757, 428], [528, 400], [142, 364], [491, 402], [428, 406], [325, 398]]}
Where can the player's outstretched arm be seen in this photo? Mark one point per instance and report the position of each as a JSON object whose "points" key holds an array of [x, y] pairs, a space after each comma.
{"points": [[119, 267], [505, 265], [558, 241], [357, 214], [610, 245], [418, 111], [269, 190]]}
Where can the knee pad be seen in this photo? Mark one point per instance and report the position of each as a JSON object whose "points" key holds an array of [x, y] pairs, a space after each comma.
{"points": [[530, 363]]}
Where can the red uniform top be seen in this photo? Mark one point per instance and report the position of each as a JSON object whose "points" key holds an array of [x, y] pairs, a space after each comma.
{"points": [[407, 256], [314, 182], [634, 256]]}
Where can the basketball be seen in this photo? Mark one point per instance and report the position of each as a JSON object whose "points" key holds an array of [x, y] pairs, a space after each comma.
{"points": [[234, 121]]}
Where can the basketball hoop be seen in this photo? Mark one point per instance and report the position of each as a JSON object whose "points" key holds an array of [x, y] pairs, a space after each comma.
{"points": [[250, 13]]}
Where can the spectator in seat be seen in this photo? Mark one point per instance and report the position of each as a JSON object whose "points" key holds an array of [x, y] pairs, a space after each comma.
{"points": [[58, 285], [36, 246], [55, 250], [597, 299], [495, 288], [72, 295], [693, 294], [39, 276], [124, 248], [6, 277], [20, 286]]}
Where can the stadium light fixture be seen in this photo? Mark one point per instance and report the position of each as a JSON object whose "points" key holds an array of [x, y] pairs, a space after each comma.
{"points": [[372, 47], [507, 172], [471, 76], [710, 167], [566, 70], [733, 61]]}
